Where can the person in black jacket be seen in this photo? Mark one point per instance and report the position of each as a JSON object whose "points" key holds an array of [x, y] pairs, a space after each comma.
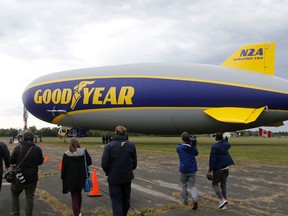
{"points": [[29, 170], [4, 156], [73, 173], [219, 163], [119, 159]]}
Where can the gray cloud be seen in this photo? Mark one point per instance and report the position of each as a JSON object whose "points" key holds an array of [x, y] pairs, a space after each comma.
{"points": [[65, 34]]}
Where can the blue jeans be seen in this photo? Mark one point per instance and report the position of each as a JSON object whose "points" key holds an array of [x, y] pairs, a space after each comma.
{"points": [[16, 190], [190, 179]]}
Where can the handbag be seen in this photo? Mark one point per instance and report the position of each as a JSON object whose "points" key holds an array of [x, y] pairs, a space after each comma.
{"points": [[10, 176], [209, 176], [88, 182], [15, 172]]}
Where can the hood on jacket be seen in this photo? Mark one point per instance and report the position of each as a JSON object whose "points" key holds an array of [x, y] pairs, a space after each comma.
{"points": [[185, 145], [77, 153]]}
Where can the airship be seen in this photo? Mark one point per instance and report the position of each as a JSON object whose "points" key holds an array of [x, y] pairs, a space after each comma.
{"points": [[166, 98]]}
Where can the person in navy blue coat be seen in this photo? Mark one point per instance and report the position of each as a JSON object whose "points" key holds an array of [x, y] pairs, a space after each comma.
{"points": [[119, 160], [219, 163], [4, 156], [187, 153]]}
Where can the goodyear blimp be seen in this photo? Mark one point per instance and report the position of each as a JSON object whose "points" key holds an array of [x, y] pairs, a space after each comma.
{"points": [[241, 93]]}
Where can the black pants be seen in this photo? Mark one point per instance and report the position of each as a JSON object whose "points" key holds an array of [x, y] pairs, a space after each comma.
{"points": [[120, 197], [16, 190], [1, 181], [220, 177]]}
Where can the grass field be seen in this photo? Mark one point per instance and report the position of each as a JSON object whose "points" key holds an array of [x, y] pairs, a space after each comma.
{"points": [[272, 150]]}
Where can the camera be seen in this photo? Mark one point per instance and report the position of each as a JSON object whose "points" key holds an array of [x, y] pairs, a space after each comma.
{"points": [[20, 177], [192, 139]]}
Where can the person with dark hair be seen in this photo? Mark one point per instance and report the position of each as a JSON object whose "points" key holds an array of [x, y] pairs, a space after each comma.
{"points": [[4, 156], [219, 163], [187, 153], [119, 159], [73, 173], [30, 156]]}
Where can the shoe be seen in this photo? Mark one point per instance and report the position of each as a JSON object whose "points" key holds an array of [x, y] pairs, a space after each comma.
{"points": [[185, 202], [195, 206], [224, 207], [222, 203]]}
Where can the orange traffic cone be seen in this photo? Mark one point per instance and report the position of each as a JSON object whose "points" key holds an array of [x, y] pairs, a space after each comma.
{"points": [[60, 165], [46, 158], [95, 189]]}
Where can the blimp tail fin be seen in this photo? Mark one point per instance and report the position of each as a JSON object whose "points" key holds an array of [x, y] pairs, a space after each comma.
{"points": [[235, 114], [253, 57]]}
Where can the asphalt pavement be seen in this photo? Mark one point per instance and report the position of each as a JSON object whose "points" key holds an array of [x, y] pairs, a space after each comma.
{"points": [[253, 188]]}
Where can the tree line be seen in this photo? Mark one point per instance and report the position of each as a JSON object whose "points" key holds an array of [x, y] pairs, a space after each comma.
{"points": [[53, 132], [49, 132]]}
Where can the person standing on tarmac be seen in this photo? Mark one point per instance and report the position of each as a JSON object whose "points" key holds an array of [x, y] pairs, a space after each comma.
{"points": [[29, 170], [187, 153], [219, 163], [119, 159], [4, 156], [73, 173]]}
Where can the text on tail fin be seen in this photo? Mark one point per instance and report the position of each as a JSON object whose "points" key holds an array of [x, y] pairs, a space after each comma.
{"points": [[253, 57]]}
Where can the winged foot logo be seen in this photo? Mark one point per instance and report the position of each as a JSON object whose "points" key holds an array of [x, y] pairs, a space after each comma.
{"points": [[97, 95]]}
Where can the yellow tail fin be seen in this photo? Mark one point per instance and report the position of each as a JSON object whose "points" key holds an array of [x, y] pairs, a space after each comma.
{"points": [[253, 57]]}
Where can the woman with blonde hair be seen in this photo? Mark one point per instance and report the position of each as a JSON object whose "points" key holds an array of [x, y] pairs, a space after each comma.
{"points": [[73, 173]]}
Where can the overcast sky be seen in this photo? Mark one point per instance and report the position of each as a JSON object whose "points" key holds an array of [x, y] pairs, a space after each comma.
{"points": [[38, 37]]}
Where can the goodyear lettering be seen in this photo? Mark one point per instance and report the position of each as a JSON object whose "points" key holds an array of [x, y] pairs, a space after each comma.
{"points": [[97, 95], [37, 97], [57, 96], [125, 95], [87, 93], [94, 95], [111, 96]]}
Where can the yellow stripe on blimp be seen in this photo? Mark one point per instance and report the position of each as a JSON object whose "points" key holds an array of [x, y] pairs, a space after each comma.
{"points": [[234, 114]]}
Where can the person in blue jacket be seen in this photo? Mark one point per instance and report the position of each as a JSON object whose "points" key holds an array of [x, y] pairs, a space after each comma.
{"points": [[219, 163], [119, 160], [187, 152]]}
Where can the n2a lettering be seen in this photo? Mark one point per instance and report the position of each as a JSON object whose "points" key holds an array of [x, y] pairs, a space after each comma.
{"points": [[251, 52]]}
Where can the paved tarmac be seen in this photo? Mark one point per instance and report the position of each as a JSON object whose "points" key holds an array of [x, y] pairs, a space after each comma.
{"points": [[253, 188]]}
